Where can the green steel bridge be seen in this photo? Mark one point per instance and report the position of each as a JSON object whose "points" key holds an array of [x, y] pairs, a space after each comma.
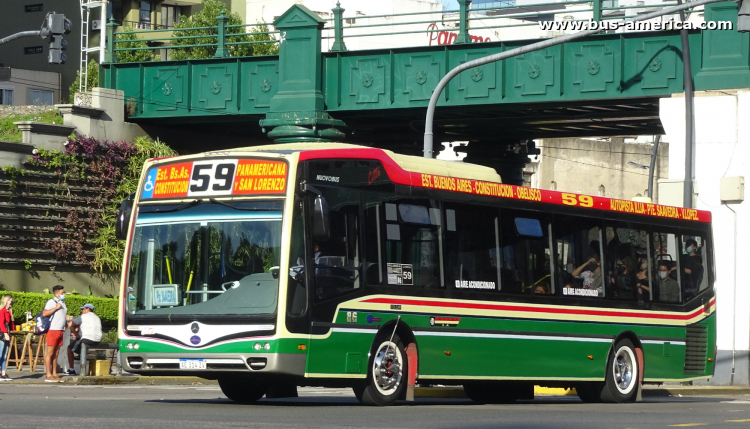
{"points": [[604, 85]]}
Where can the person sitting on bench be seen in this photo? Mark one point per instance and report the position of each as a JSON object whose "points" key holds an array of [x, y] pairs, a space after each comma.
{"points": [[89, 332]]}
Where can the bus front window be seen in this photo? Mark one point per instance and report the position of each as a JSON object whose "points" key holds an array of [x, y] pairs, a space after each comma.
{"points": [[205, 259]]}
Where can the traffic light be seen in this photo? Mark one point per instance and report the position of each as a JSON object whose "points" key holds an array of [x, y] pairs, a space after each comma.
{"points": [[57, 25]]}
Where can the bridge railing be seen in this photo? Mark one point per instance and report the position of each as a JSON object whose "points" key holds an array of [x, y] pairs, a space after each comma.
{"points": [[217, 41], [498, 21]]}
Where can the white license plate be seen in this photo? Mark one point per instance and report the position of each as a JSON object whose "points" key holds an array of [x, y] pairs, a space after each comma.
{"points": [[192, 364]]}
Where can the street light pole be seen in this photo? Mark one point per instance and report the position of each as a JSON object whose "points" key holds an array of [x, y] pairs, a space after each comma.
{"points": [[428, 143]]}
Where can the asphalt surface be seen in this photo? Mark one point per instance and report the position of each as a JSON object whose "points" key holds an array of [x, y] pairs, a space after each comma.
{"points": [[204, 406]]}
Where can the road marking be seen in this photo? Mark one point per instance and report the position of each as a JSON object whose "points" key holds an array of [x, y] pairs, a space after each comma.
{"points": [[737, 421], [690, 424]]}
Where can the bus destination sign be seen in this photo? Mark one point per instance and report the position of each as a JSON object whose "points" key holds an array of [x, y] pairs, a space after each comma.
{"points": [[216, 177], [478, 187]]}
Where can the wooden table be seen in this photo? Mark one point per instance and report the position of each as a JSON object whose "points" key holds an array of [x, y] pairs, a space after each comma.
{"points": [[27, 355]]}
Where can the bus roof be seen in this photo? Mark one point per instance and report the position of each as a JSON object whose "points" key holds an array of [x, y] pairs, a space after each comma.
{"points": [[477, 180]]}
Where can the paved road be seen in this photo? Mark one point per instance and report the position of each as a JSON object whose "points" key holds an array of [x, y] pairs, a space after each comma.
{"points": [[188, 407]]}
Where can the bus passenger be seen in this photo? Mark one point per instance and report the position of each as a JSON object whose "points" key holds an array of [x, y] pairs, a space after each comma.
{"points": [[625, 280], [542, 289], [669, 289], [642, 283], [591, 274], [693, 267]]}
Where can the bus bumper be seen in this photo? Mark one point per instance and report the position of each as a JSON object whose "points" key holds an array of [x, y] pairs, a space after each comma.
{"points": [[291, 364]]}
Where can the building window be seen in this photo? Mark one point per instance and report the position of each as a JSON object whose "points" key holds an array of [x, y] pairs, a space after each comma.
{"points": [[6, 97], [30, 50], [114, 10], [144, 18], [33, 7], [170, 15], [350, 21], [41, 98]]}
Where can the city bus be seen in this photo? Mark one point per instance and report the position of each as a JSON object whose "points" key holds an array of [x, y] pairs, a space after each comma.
{"points": [[335, 265]]}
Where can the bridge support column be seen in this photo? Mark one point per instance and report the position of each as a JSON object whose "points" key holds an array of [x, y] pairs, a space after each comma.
{"points": [[297, 112], [722, 148], [508, 160]]}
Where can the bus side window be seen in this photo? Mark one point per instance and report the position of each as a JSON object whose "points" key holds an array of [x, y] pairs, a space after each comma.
{"points": [[472, 259], [412, 243], [693, 273], [336, 260], [667, 287], [373, 226], [579, 257], [627, 262], [525, 252]]}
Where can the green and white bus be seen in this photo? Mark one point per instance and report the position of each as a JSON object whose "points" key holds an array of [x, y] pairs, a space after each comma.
{"points": [[273, 267]]}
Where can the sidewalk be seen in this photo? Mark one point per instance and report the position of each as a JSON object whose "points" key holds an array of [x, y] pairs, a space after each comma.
{"points": [[665, 390]]}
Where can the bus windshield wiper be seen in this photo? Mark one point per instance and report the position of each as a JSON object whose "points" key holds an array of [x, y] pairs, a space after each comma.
{"points": [[180, 208], [247, 209]]}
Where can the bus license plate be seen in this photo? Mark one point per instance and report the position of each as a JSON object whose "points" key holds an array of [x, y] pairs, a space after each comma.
{"points": [[192, 364]]}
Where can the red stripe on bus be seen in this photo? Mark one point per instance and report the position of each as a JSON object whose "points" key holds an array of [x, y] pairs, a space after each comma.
{"points": [[499, 190], [501, 307]]}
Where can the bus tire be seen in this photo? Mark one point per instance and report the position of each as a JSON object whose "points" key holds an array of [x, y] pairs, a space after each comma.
{"points": [[386, 374], [242, 390], [590, 392], [623, 373]]}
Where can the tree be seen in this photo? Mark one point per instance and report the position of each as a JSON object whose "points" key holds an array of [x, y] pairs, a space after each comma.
{"points": [[138, 56], [92, 79], [187, 27]]}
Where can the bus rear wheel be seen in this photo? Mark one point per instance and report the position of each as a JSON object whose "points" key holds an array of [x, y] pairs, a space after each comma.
{"points": [[386, 376], [623, 373], [242, 390]]}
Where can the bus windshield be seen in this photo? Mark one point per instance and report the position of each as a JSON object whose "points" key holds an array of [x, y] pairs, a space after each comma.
{"points": [[205, 258]]}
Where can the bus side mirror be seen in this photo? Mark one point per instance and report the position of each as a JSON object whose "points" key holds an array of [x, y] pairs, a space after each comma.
{"points": [[321, 221], [123, 218]]}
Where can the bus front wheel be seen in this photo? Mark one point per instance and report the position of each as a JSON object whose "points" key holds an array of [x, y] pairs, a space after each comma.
{"points": [[623, 373], [242, 390], [386, 376]]}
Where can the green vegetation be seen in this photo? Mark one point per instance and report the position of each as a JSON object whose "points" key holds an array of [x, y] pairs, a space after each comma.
{"points": [[207, 18], [10, 132], [133, 56], [105, 308], [92, 80]]}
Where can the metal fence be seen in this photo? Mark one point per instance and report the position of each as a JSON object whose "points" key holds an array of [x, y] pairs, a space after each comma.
{"points": [[485, 21]]}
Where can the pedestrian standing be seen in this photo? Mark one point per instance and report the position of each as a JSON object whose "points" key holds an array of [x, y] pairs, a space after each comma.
{"points": [[56, 310], [6, 326]]}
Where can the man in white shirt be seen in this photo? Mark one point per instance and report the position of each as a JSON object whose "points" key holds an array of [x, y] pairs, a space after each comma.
{"points": [[89, 328], [56, 310]]}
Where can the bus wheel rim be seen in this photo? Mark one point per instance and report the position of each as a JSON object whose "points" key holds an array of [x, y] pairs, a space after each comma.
{"points": [[386, 368], [624, 370]]}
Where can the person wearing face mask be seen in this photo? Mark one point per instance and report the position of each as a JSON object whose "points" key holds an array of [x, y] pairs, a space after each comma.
{"points": [[692, 266], [56, 310], [669, 289], [6, 326], [591, 274]]}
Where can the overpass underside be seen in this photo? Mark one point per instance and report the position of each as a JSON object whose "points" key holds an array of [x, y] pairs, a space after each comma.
{"points": [[603, 85]]}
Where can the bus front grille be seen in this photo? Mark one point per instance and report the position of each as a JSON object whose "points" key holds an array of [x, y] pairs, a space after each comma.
{"points": [[695, 349]]}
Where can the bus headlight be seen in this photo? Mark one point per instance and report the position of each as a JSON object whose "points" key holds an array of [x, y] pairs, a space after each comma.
{"points": [[136, 346], [257, 347], [266, 346], [129, 346]]}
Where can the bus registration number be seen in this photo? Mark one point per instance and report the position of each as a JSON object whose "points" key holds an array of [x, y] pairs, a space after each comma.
{"points": [[192, 364]]}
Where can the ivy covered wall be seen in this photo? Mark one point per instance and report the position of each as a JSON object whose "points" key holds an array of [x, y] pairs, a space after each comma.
{"points": [[57, 214]]}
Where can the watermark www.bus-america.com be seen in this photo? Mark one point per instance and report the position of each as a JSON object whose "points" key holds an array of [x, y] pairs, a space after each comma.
{"points": [[633, 26]]}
